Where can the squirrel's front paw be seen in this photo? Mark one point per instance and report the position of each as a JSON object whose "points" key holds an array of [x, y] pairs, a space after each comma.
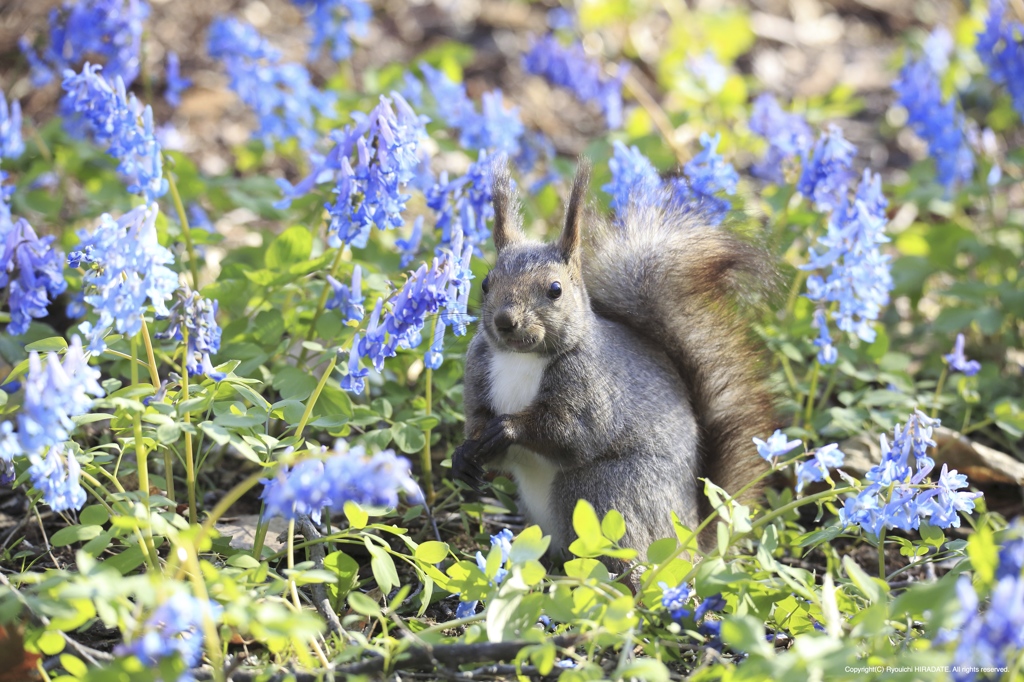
{"points": [[465, 465]]}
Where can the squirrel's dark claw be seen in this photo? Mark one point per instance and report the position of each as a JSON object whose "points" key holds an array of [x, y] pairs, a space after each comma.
{"points": [[465, 467], [494, 440]]}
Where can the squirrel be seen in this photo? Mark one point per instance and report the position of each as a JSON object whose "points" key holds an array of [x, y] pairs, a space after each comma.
{"points": [[619, 371]]}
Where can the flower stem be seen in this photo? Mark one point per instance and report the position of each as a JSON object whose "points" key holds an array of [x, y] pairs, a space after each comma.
{"points": [[833, 376], [426, 463], [812, 392], [658, 116], [881, 554], [193, 264], [141, 456], [938, 391], [94, 487], [316, 395], [320, 307], [190, 464], [977, 425], [212, 638]]}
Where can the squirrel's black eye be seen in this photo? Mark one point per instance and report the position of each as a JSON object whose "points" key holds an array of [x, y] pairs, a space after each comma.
{"points": [[485, 285], [555, 290]]}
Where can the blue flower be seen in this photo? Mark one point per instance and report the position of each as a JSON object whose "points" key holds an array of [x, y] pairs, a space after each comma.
{"points": [[788, 136], [634, 179], [11, 144], [938, 123], [859, 279], [827, 170], [937, 48], [999, 47], [197, 218], [197, 316], [895, 498], [111, 29], [707, 174], [56, 476], [710, 73], [372, 163], [410, 246], [776, 446], [827, 353], [503, 541], [570, 68], [334, 22], [347, 300], [175, 628], [463, 204], [281, 94], [816, 468], [120, 122], [991, 638], [713, 603], [31, 269], [125, 266], [674, 600], [958, 362], [342, 477], [466, 609], [354, 381], [175, 83], [54, 394]]}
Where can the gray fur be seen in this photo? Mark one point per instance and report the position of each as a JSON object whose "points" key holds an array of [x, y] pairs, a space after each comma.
{"points": [[634, 353]]}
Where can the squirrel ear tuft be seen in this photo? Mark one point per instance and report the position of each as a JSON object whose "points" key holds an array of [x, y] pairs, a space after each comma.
{"points": [[569, 242], [508, 221]]}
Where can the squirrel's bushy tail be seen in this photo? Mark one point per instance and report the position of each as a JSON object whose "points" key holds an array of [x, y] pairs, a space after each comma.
{"points": [[687, 285]]}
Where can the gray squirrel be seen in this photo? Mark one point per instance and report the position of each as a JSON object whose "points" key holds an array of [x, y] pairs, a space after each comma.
{"points": [[616, 368]]}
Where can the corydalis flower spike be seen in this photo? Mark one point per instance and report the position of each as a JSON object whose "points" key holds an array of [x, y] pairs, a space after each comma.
{"points": [[958, 362]]}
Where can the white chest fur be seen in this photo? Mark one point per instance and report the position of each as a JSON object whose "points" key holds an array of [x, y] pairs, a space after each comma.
{"points": [[515, 382]]}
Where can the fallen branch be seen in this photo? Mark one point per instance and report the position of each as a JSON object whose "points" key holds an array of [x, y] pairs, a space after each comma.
{"points": [[316, 554]]}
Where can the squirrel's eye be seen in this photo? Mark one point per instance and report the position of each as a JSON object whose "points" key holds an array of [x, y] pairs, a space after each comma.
{"points": [[555, 290], [485, 285]]}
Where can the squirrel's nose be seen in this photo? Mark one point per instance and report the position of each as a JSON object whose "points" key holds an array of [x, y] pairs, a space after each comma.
{"points": [[504, 322]]}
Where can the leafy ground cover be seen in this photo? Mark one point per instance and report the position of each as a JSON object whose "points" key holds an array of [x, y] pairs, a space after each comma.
{"points": [[241, 246]]}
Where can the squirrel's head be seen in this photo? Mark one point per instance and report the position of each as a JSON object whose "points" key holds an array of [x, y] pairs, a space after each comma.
{"points": [[534, 300]]}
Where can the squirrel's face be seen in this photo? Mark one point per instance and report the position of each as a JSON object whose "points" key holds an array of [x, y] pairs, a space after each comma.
{"points": [[532, 302], [534, 299]]}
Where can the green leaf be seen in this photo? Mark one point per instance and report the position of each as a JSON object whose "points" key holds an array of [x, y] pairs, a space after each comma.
{"points": [[215, 432], [294, 245], [431, 552], [613, 526], [383, 567], [360, 603], [585, 522], [746, 634], [356, 515], [294, 384], [72, 534], [94, 515], [874, 589], [52, 344], [408, 437], [168, 433], [347, 571], [529, 546]]}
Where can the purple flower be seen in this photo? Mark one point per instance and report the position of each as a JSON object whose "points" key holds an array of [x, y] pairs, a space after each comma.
{"points": [[281, 94], [788, 136], [827, 353], [194, 318], [347, 299], [775, 446], [410, 246], [110, 29], [125, 266], [119, 121], [466, 609], [816, 468], [11, 144], [570, 68], [958, 362], [674, 600], [354, 381], [827, 170], [175, 83], [463, 205], [941, 504], [334, 22], [937, 122]]}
